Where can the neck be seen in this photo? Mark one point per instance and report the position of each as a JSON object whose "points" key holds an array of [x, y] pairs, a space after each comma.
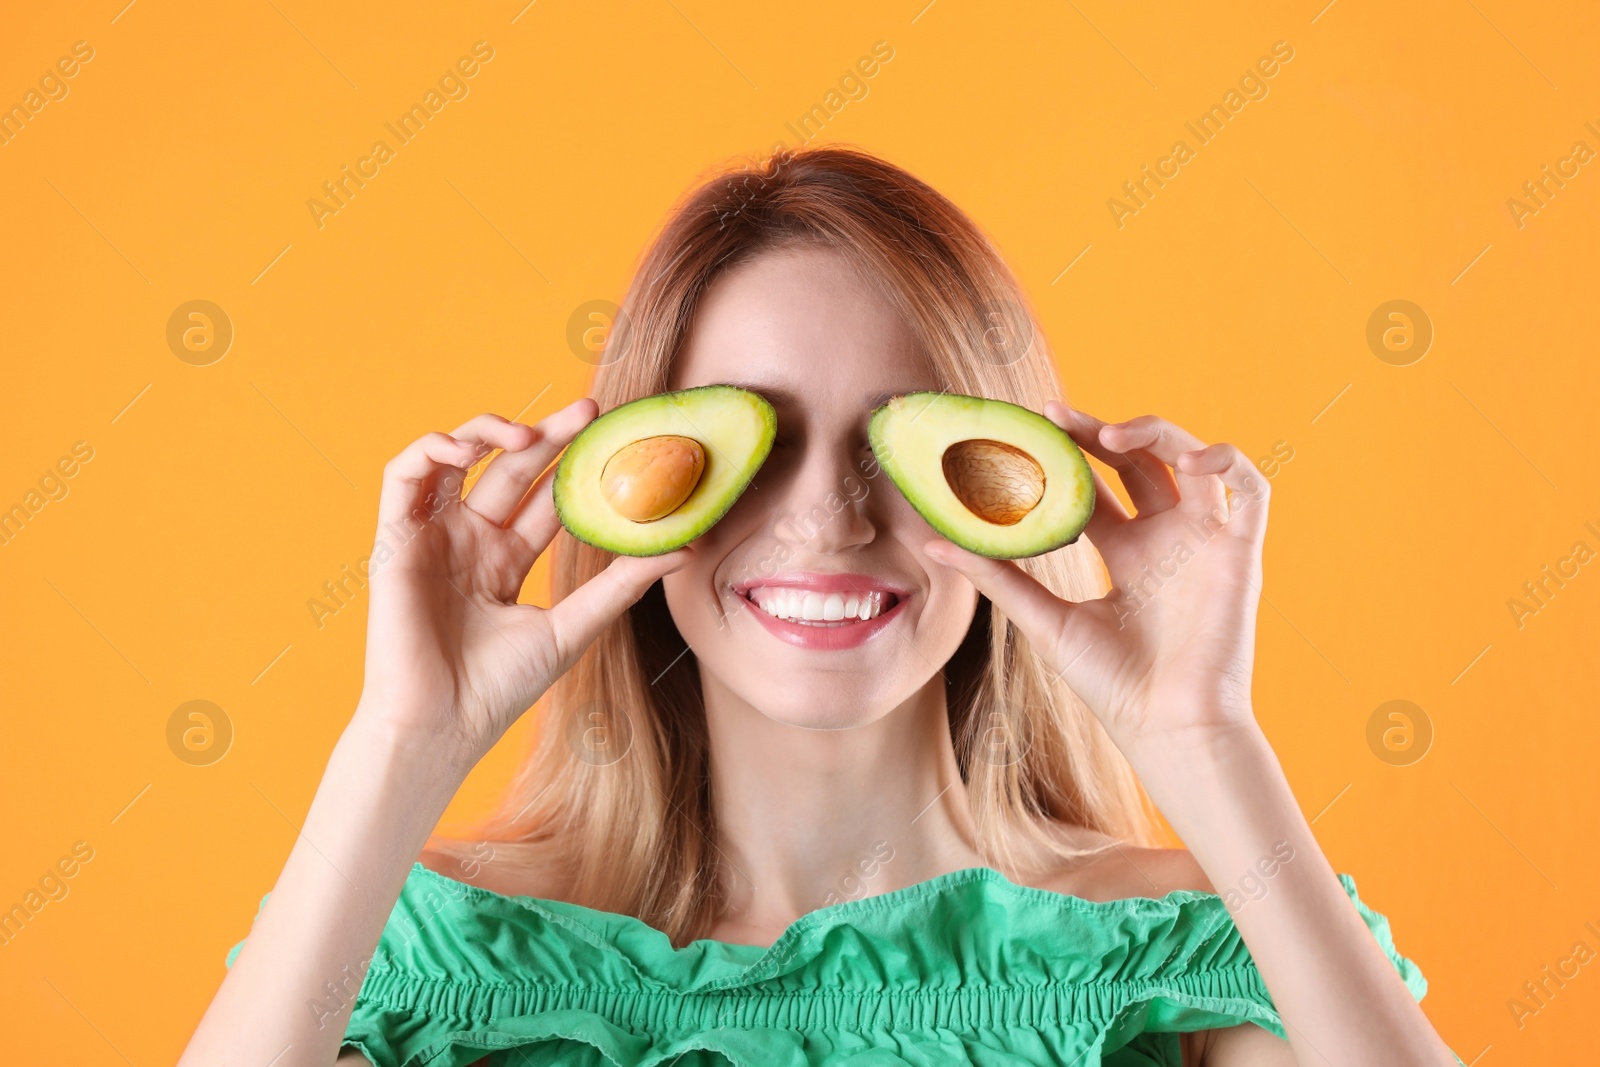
{"points": [[808, 818]]}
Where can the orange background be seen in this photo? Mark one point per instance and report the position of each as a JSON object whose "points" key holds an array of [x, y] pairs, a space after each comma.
{"points": [[1418, 501]]}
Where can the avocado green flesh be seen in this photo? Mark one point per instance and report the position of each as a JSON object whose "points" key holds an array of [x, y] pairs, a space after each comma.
{"points": [[909, 436], [734, 427]]}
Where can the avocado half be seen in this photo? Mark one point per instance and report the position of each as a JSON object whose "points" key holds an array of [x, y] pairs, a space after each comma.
{"points": [[992, 477], [653, 474]]}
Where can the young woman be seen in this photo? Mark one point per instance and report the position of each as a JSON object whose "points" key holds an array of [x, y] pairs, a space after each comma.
{"points": [[917, 837]]}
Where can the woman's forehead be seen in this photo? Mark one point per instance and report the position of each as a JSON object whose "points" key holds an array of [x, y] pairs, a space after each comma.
{"points": [[805, 324]]}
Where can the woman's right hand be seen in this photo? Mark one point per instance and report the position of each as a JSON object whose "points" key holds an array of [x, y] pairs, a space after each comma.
{"points": [[452, 657]]}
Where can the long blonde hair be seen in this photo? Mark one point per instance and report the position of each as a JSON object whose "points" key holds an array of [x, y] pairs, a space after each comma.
{"points": [[635, 832]]}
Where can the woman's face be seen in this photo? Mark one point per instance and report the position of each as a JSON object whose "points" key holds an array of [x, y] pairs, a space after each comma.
{"points": [[811, 600]]}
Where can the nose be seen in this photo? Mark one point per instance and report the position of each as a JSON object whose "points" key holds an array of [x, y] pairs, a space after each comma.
{"points": [[826, 509]]}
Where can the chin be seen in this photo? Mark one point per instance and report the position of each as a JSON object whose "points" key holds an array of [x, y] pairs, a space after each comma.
{"points": [[817, 707]]}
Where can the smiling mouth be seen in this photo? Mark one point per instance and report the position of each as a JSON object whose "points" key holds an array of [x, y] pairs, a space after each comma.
{"points": [[810, 607]]}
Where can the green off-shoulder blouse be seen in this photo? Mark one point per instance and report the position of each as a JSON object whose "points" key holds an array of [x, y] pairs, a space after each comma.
{"points": [[966, 968]]}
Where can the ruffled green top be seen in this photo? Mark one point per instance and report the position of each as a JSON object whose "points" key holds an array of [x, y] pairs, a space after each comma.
{"points": [[966, 968]]}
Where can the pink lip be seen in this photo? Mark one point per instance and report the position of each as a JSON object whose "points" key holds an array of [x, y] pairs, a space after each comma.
{"points": [[826, 638]]}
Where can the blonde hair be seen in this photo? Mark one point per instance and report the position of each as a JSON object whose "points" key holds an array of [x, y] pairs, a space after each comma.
{"points": [[637, 835]]}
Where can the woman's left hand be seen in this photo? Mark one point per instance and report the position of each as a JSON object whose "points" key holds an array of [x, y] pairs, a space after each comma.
{"points": [[1167, 654]]}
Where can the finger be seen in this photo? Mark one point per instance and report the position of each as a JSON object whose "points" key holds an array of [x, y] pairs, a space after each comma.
{"points": [[505, 481], [535, 521], [424, 477], [1037, 612], [1108, 513], [1149, 482], [1166, 441], [594, 605], [1247, 490]]}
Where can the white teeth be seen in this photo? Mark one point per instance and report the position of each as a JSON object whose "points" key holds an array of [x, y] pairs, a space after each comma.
{"points": [[822, 609]]}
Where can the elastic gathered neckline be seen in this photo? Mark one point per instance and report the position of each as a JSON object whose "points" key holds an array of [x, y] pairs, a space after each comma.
{"points": [[1052, 1004]]}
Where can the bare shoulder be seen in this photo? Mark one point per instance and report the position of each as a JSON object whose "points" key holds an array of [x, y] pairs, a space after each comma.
{"points": [[1117, 871], [511, 870]]}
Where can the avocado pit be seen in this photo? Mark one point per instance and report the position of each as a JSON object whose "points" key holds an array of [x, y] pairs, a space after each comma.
{"points": [[650, 478], [997, 482]]}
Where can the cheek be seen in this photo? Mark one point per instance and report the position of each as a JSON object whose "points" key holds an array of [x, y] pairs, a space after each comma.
{"points": [[952, 602], [689, 599], [696, 594]]}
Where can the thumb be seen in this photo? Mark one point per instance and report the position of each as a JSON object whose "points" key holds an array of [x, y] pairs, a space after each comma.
{"points": [[1037, 612], [594, 605]]}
